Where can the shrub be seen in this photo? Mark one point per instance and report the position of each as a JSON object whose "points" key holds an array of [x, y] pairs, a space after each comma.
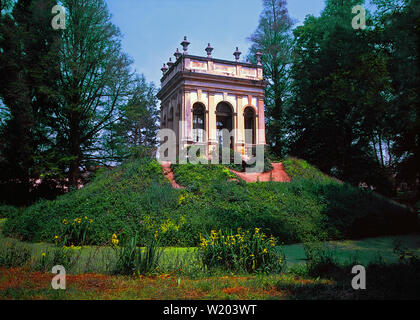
{"points": [[8, 211], [124, 198], [14, 254], [75, 232], [244, 251], [300, 169], [59, 255], [134, 260], [198, 176]]}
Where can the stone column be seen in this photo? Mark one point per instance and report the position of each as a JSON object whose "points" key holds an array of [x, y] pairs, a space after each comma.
{"points": [[261, 124], [182, 126], [188, 120], [240, 133], [212, 121]]}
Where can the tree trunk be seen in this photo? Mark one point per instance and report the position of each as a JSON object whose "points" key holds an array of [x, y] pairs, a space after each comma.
{"points": [[380, 150], [75, 151]]}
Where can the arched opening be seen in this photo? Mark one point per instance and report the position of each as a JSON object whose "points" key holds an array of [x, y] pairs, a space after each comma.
{"points": [[224, 120], [249, 121], [199, 122]]}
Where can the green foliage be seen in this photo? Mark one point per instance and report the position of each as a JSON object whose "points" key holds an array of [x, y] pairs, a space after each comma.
{"points": [[58, 255], [132, 260], [298, 168], [137, 198], [134, 197], [14, 254], [197, 176], [9, 211], [134, 134], [75, 232], [273, 38], [243, 251], [28, 73]]}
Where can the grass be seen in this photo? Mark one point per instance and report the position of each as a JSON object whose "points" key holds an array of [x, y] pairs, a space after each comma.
{"points": [[179, 276], [182, 261]]}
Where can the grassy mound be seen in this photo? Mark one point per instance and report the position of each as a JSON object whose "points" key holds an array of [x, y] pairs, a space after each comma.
{"points": [[128, 198], [137, 198]]}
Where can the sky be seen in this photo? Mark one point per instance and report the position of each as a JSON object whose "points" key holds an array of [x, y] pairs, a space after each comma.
{"points": [[153, 29]]}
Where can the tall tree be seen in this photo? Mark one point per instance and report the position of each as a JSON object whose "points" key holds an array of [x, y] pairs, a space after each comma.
{"points": [[94, 82], [273, 38], [398, 31], [137, 124], [338, 84], [28, 58]]}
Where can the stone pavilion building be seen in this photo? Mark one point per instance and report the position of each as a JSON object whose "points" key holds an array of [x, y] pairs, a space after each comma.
{"points": [[201, 96]]}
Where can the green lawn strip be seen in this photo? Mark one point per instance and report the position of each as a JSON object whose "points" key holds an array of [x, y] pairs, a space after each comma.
{"points": [[364, 250], [175, 258]]}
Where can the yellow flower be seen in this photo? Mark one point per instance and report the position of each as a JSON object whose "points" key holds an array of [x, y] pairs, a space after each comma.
{"points": [[65, 221], [257, 230], [181, 199], [43, 254], [115, 240], [56, 237], [265, 251]]}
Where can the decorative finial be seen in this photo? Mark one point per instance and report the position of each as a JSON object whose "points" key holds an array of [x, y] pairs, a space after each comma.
{"points": [[177, 54], [259, 55], [237, 54], [170, 63], [209, 49], [185, 45], [164, 69]]}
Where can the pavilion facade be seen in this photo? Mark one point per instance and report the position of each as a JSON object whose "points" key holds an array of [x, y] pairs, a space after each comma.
{"points": [[202, 97]]}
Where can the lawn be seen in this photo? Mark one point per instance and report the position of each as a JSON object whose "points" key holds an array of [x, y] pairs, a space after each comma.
{"points": [[179, 275], [173, 258]]}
